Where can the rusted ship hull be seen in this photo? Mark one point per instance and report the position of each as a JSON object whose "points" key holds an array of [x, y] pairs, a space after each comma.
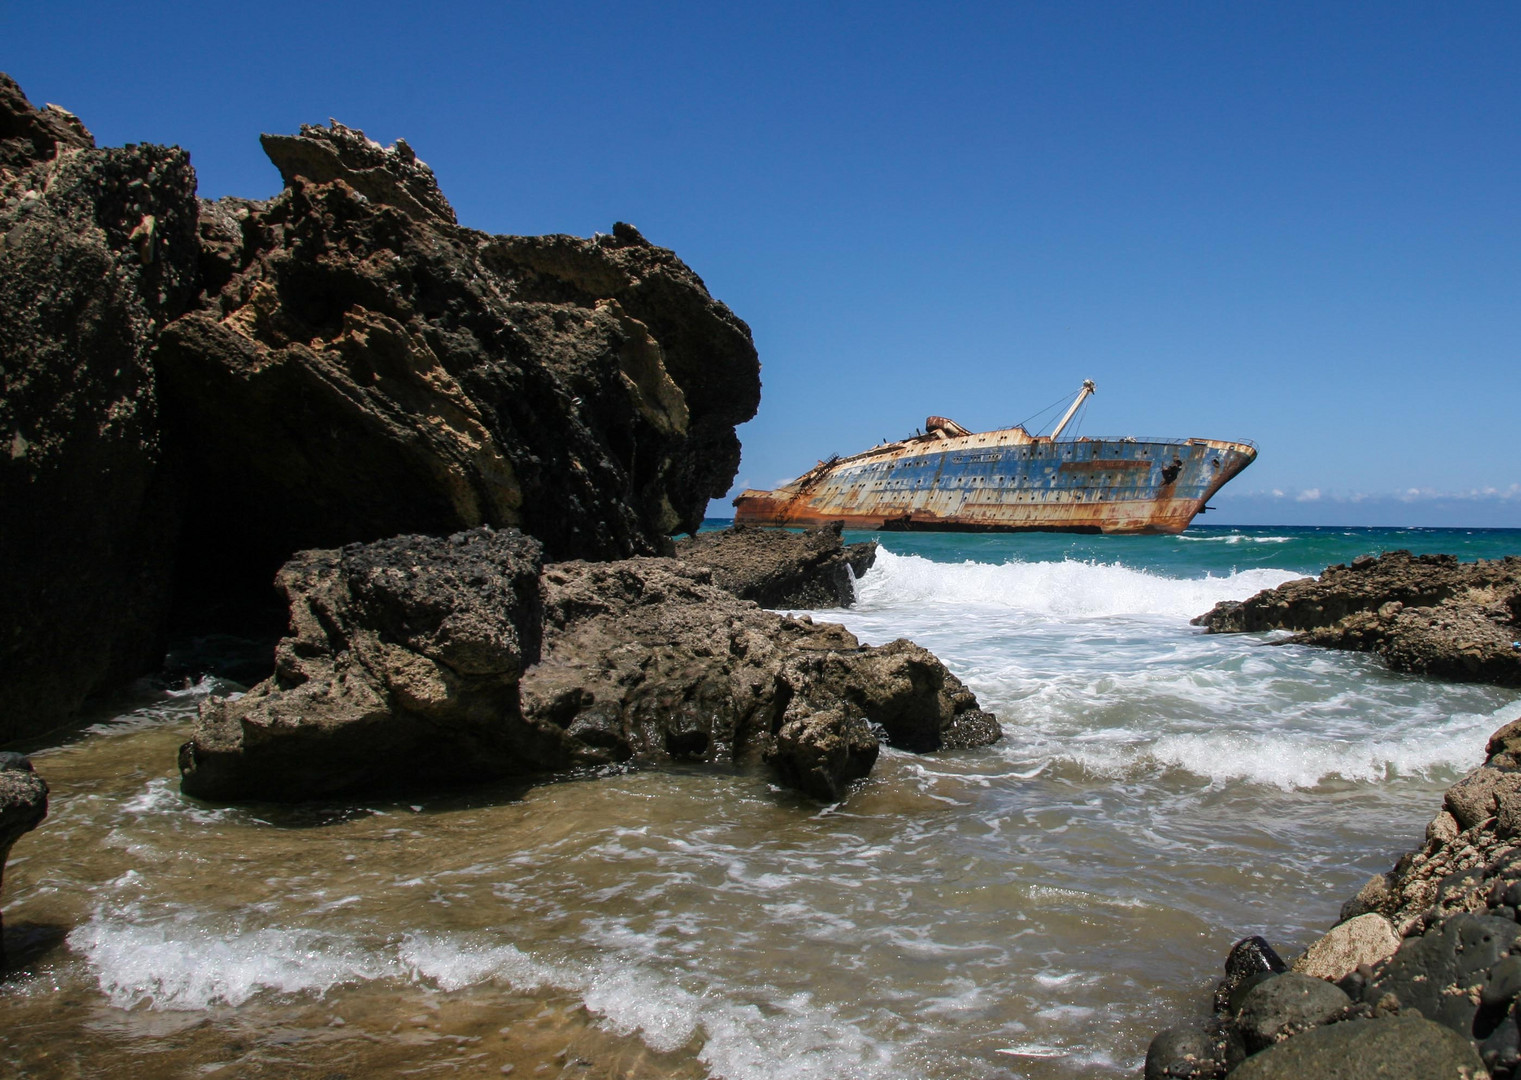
{"points": [[1007, 481]]}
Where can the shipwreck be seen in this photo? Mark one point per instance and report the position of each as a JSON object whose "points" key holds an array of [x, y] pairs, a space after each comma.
{"points": [[952, 479]]}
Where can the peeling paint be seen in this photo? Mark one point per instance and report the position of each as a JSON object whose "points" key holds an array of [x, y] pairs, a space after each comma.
{"points": [[1007, 480]]}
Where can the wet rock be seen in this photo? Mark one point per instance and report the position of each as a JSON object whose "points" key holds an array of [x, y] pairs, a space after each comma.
{"points": [[1285, 1005], [1477, 797], [1249, 957], [1366, 939], [97, 254], [779, 568], [1501, 1048], [23, 805], [401, 670], [1397, 1048], [1429, 614], [419, 661], [1443, 972], [666, 665], [1202, 1052]]}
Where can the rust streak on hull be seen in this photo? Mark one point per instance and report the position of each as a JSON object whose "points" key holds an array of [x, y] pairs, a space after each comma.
{"points": [[1007, 481]]}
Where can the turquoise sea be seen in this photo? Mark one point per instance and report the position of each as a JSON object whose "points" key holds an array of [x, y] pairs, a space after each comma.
{"points": [[1038, 908]]}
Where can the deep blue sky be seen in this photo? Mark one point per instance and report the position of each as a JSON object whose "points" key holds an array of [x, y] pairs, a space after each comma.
{"points": [[1296, 224]]}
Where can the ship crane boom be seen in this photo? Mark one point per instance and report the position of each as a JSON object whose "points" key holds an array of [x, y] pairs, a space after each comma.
{"points": [[1082, 396]]}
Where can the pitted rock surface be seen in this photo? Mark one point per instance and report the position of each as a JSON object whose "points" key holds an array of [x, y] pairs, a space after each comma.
{"points": [[420, 661], [1428, 614], [781, 568]]}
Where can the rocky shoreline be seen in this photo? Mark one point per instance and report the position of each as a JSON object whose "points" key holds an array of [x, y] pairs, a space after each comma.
{"points": [[461, 458], [1421, 976]]}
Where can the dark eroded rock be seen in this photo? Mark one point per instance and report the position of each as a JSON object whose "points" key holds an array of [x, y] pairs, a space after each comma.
{"points": [[1202, 1052], [780, 568], [23, 805], [1249, 958], [390, 371], [420, 661], [1396, 1048], [647, 658], [1443, 972], [97, 253], [1285, 1005], [1428, 614], [401, 670]]}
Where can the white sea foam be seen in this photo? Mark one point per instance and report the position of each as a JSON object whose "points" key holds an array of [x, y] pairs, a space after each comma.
{"points": [[189, 964], [1056, 589]]}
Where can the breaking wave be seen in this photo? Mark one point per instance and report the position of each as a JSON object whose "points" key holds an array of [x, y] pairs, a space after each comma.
{"points": [[1064, 589]]}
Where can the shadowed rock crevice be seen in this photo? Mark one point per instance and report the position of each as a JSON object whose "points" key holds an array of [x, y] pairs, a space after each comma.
{"points": [[97, 252]]}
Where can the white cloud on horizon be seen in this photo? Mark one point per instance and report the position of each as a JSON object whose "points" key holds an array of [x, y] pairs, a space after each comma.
{"points": [[1408, 495]]}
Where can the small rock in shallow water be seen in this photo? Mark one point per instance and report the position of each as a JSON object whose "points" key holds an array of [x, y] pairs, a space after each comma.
{"points": [[1205, 1052], [1248, 957]]}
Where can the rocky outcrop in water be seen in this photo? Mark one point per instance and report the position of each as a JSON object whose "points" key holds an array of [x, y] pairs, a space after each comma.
{"points": [[419, 661], [1427, 614], [778, 568], [23, 805], [97, 253], [194, 391], [1421, 978], [401, 669]]}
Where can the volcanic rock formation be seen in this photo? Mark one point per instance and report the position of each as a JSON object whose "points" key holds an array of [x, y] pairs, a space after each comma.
{"points": [[391, 371], [194, 391], [778, 568], [23, 805], [419, 661], [1428, 614], [97, 253]]}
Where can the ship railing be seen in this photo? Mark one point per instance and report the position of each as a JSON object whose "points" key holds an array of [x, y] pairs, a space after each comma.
{"points": [[1144, 439]]}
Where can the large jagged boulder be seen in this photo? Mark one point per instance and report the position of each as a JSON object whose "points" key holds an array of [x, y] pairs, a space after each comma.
{"points": [[97, 253], [780, 568], [417, 662], [23, 805], [401, 670], [1427, 614], [362, 366], [647, 658]]}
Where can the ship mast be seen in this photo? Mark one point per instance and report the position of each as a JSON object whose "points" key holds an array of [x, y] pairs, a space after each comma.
{"points": [[1082, 396]]}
